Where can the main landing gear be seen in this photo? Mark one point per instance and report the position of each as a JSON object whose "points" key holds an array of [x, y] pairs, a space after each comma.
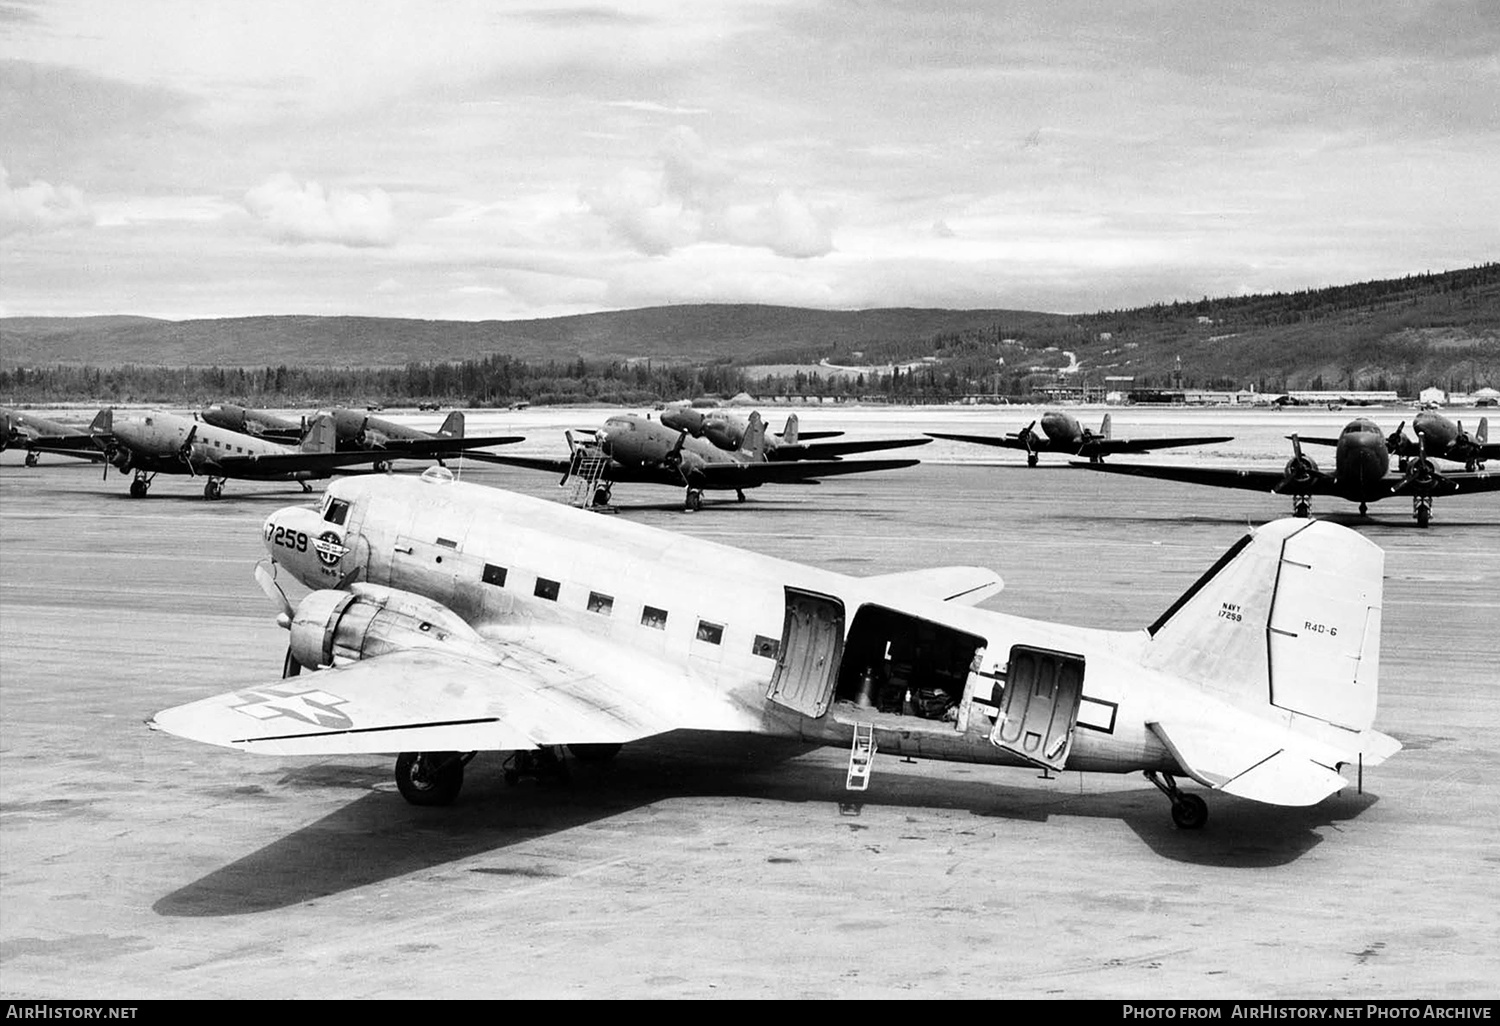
{"points": [[694, 501], [431, 778], [1421, 508], [141, 485], [1189, 811], [213, 488], [601, 495], [1302, 506], [33, 458], [1031, 458]]}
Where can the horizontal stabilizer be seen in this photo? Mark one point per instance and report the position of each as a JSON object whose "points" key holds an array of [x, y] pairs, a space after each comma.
{"points": [[961, 585], [1264, 762]]}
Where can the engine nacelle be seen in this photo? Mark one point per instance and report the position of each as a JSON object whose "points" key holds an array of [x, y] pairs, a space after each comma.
{"points": [[1300, 468], [332, 628]]}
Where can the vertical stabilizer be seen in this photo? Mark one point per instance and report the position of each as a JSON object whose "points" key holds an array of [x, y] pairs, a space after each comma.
{"points": [[789, 433], [1482, 436], [1106, 427], [104, 422], [453, 426], [1289, 617], [322, 434], [754, 445]]}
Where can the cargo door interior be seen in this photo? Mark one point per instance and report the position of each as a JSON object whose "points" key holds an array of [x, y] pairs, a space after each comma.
{"points": [[1039, 707], [812, 643]]}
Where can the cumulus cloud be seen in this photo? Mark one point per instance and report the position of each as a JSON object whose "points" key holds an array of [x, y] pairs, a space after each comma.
{"points": [[40, 207], [295, 212], [697, 197]]}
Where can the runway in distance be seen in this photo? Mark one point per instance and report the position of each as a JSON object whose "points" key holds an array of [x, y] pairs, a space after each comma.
{"points": [[1060, 432], [1361, 473], [152, 442], [38, 435], [636, 449], [448, 618], [358, 431]]}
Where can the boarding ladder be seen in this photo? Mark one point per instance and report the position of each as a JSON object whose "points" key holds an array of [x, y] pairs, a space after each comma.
{"points": [[587, 472], [861, 757]]}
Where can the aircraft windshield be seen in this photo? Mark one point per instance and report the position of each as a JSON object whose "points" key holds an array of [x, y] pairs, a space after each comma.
{"points": [[335, 511]]}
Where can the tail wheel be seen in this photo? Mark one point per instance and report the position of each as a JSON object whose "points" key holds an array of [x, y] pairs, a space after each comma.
{"points": [[1189, 811], [430, 778]]}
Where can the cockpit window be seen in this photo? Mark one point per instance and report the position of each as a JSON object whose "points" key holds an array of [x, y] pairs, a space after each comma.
{"points": [[337, 510]]}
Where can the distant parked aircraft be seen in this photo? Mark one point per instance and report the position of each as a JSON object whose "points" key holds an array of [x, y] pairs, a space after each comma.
{"points": [[1361, 474], [1062, 433], [37, 435], [631, 448]]}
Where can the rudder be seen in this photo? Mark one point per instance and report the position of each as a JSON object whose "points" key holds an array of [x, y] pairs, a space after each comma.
{"points": [[453, 425]]}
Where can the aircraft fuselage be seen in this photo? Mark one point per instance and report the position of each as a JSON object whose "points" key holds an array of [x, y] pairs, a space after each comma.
{"points": [[153, 441], [1361, 462]]}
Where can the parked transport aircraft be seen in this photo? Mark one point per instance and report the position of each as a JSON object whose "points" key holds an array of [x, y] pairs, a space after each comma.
{"points": [[631, 448], [449, 618], [19, 429], [151, 442], [727, 430], [1437, 438], [1361, 473], [358, 431], [1061, 432]]}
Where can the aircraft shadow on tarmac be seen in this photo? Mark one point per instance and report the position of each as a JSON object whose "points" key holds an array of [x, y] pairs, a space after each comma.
{"points": [[377, 837]]}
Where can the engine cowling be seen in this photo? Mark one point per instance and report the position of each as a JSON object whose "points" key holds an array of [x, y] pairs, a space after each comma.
{"points": [[334, 628], [1300, 469]]}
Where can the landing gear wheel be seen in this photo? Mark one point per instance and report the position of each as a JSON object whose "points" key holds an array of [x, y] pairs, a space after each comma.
{"points": [[381, 467], [1301, 508], [694, 500], [213, 489], [595, 754], [739, 494], [1031, 459], [33, 458], [1189, 811], [601, 496], [430, 778], [1424, 514], [138, 488]]}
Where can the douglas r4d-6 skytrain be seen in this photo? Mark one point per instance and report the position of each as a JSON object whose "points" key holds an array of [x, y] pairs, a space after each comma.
{"points": [[447, 619]]}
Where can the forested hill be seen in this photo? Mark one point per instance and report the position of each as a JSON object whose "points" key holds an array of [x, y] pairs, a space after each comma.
{"points": [[698, 333], [1403, 333]]}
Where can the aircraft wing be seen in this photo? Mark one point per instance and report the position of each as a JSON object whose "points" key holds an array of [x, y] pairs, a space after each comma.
{"points": [[961, 585], [78, 452], [1220, 477], [255, 465], [1252, 758], [425, 700], [445, 446], [833, 450], [1041, 444], [1107, 446], [553, 464], [1305, 440], [1461, 483], [748, 475]]}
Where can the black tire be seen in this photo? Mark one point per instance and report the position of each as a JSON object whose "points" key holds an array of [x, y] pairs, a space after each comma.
{"points": [[33, 458], [1301, 509], [1031, 459], [429, 778], [601, 496], [1189, 812], [1424, 516], [138, 489], [694, 500], [595, 754]]}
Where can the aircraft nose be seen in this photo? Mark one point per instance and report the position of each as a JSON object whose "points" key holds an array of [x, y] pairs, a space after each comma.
{"points": [[298, 539]]}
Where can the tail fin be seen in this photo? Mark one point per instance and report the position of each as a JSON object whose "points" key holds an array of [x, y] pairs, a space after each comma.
{"points": [[1105, 428], [322, 435], [104, 422], [453, 426], [754, 445], [789, 433], [1290, 618], [1482, 436]]}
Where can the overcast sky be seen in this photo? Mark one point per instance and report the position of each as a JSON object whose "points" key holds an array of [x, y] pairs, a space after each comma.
{"points": [[485, 159]]}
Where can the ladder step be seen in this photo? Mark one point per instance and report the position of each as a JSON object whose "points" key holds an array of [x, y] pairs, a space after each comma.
{"points": [[861, 757]]}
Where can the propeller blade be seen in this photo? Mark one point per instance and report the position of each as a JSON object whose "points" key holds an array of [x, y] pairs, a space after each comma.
{"points": [[267, 581], [289, 666]]}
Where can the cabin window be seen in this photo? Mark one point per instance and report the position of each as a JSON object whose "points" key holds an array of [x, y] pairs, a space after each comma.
{"points": [[337, 511], [768, 648], [653, 617], [601, 604], [492, 574], [546, 589], [712, 633]]}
